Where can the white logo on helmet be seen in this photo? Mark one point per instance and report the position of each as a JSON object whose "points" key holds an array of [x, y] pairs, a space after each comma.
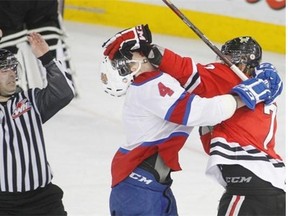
{"points": [[244, 39]]}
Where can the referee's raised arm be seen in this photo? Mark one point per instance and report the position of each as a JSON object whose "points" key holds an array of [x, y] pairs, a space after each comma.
{"points": [[60, 90]]}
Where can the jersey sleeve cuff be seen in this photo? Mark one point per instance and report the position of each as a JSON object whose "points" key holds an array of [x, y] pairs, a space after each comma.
{"points": [[46, 58]]}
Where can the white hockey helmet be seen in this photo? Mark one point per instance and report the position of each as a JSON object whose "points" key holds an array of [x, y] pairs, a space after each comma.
{"points": [[115, 76], [119, 73]]}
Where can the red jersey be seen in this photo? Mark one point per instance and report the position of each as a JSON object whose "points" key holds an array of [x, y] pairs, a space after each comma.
{"points": [[247, 138]]}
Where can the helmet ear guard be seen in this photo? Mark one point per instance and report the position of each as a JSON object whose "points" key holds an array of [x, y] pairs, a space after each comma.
{"points": [[243, 50]]}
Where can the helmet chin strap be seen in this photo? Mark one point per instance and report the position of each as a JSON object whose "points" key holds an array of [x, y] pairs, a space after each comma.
{"points": [[140, 62]]}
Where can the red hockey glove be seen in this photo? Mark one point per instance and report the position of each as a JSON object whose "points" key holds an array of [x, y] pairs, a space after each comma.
{"points": [[127, 40]]}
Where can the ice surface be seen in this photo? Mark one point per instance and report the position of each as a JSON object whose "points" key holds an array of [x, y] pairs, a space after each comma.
{"points": [[83, 137]]}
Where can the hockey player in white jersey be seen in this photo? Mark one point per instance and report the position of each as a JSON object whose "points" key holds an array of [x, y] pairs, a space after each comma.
{"points": [[158, 117]]}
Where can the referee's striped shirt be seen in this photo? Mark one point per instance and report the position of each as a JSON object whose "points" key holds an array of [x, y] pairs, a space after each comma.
{"points": [[23, 160]]}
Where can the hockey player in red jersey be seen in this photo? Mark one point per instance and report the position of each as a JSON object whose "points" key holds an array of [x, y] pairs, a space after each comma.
{"points": [[241, 148], [158, 116]]}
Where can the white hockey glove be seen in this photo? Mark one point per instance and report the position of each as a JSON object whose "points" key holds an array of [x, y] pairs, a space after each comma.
{"points": [[267, 71], [253, 91], [127, 40]]}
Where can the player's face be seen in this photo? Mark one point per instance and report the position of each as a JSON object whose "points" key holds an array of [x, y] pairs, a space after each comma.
{"points": [[242, 67], [7, 81], [247, 71], [136, 62]]}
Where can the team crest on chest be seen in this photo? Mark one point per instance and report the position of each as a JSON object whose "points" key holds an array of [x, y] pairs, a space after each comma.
{"points": [[21, 107]]}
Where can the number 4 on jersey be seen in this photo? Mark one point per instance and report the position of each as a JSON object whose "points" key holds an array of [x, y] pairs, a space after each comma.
{"points": [[164, 90]]}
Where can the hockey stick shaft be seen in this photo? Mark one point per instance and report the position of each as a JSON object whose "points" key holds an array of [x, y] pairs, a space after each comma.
{"points": [[233, 67]]}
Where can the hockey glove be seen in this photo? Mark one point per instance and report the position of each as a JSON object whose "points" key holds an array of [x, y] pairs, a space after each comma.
{"points": [[154, 55], [253, 91], [267, 71], [127, 40]]}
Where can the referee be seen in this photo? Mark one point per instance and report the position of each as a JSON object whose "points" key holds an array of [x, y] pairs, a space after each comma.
{"points": [[25, 174]]}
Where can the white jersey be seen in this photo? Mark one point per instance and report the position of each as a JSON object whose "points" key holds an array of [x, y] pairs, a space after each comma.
{"points": [[158, 116]]}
